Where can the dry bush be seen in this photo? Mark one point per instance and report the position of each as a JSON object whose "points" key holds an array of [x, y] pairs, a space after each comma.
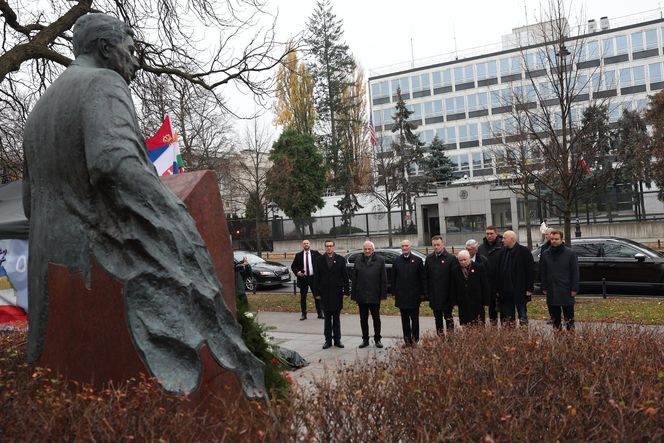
{"points": [[38, 405], [600, 384]]}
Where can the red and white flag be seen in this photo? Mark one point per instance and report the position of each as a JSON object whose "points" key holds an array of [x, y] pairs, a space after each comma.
{"points": [[372, 134]]}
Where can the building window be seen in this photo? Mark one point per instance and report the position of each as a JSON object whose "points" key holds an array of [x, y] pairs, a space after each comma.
{"points": [[433, 109], [442, 78], [463, 74], [655, 72], [589, 51], [465, 223], [477, 102], [420, 82], [621, 45], [535, 61], [632, 76], [402, 83], [450, 135], [380, 90], [486, 70], [416, 110], [454, 105], [378, 118]]}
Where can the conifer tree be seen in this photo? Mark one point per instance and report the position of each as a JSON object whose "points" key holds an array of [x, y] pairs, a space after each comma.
{"points": [[331, 66], [436, 164]]}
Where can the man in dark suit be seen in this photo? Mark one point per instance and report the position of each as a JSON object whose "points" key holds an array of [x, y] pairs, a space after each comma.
{"points": [[407, 286], [304, 269], [490, 248], [331, 283], [471, 289], [438, 270], [515, 279]]}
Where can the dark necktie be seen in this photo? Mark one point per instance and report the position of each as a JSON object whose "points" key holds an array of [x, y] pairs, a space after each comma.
{"points": [[306, 260]]}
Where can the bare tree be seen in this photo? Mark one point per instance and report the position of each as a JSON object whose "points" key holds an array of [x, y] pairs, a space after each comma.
{"points": [[206, 134], [248, 171], [540, 146], [389, 172], [173, 38]]}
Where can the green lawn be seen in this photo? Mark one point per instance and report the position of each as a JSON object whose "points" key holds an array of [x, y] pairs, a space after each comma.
{"points": [[620, 310]]}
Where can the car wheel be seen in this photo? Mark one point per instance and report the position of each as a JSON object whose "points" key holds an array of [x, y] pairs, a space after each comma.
{"points": [[249, 284]]}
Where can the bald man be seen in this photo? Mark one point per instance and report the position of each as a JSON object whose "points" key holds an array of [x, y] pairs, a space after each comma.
{"points": [[514, 280]]}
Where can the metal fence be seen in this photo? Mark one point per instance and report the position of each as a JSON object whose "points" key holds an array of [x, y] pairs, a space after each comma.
{"points": [[243, 231]]}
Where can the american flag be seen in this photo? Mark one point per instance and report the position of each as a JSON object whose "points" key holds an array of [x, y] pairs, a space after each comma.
{"points": [[372, 134]]}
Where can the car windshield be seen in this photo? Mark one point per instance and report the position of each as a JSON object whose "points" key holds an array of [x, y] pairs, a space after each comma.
{"points": [[251, 258]]}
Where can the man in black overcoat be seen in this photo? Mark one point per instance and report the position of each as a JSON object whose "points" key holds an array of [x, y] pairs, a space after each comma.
{"points": [[331, 283], [438, 271], [490, 248], [559, 273], [407, 286], [369, 288], [515, 279], [471, 289], [303, 268]]}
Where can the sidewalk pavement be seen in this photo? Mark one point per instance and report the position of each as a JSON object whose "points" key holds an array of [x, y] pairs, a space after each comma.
{"points": [[306, 337]]}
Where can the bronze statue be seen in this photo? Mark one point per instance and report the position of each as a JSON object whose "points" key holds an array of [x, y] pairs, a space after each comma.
{"points": [[91, 193]]}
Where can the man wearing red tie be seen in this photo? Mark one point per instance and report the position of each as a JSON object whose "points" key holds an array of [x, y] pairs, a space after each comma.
{"points": [[303, 268]]}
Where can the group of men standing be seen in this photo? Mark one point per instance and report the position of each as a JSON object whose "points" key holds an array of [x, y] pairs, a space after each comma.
{"points": [[498, 274]]}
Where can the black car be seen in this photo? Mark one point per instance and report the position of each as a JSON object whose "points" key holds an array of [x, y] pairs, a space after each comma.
{"points": [[623, 265], [388, 254], [264, 273]]}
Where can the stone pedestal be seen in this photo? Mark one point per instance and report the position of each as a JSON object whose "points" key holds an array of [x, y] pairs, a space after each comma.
{"points": [[88, 338], [199, 190]]}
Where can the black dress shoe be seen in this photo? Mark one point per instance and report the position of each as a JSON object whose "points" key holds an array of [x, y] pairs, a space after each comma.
{"points": [[339, 345], [304, 317], [364, 344], [379, 344], [327, 345], [321, 316]]}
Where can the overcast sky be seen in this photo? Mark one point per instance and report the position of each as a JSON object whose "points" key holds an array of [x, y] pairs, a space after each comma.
{"points": [[379, 32]]}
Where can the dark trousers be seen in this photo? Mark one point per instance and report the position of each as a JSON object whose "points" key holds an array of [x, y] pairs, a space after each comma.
{"points": [[332, 327], [446, 315], [509, 310], [307, 282], [410, 323], [567, 311], [493, 308], [374, 308], [471, 314]]}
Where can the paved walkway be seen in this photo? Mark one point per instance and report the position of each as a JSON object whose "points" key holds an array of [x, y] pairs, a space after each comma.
{"points": [[306, 337]]}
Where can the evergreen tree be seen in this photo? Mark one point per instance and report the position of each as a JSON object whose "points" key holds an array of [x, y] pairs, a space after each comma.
{"points": [[296, 180], [332, 66], [593, 145], [436, 164], [655, 116], [408, 149], [632, 150]]}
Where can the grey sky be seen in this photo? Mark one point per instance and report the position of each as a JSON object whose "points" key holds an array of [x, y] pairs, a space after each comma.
{"points": [[379, 33]]}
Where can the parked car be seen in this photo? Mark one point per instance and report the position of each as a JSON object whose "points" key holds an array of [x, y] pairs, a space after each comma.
{"points": [[264, 273], [388, 254], [625, 266]]}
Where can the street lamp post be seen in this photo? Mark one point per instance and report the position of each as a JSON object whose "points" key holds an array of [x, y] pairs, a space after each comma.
{"points": [[563, 52]]}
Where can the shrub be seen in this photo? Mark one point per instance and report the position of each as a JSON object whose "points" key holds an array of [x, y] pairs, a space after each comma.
{"points": [[598, 384], [602, 384]]}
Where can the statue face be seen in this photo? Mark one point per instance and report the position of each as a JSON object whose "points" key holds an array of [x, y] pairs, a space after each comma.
{"points": [[122, 60]]}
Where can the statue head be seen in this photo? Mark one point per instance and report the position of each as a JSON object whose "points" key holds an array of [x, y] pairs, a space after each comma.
{"points": [[109, 40]]}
